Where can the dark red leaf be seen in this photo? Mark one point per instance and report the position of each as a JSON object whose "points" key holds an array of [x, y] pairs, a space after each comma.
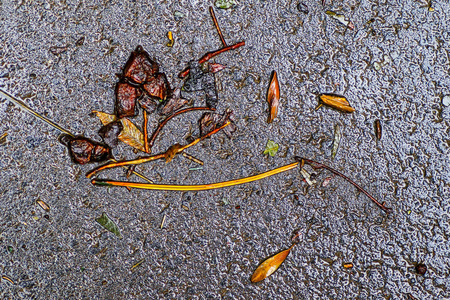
{"points": [[83, 150], [157, 86], [139, 67], [126, 96], [173, 103], [211, 121]]}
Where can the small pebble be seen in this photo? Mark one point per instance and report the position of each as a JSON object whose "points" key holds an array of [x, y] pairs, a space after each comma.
{"points": [[446, 100]]}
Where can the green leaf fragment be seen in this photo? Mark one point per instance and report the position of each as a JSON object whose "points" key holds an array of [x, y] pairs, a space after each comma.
{"points": [[109, 224], [337, 141], [225, 4], [271, 148]]}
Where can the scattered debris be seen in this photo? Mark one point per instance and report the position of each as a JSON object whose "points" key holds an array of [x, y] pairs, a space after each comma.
{"points": [[307, 177], [137, 264], [336, 141], [3, 138], [378, 131], [379, 65], [341, 18], [8, 279], [348, 265], [108, 224], [270, 265], [58, 50], [178, 15], [273, 97], [211, 121], [194, 159], [327, 181], [171, 40], [271, 148], [163, 221], [43, 205], [421, 269], [80, 41], [303, 8], [225, 4]]}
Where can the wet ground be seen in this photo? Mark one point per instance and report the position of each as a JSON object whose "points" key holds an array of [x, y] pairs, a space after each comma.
{"points": [[394, 66]]}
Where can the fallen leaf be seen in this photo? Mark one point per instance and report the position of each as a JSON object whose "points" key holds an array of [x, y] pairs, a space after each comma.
{"points": [[83, 150], [130, 134], [109, 224], [271, 148], [126, 98], [336, 142], [157, 86], [110, 133], [273, 97], [212, 121], [139, 67], [173, 103], [270, 265], [335, 101], [378, 130]]}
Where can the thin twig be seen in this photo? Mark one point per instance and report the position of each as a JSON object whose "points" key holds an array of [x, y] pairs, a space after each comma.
{"points": [[211, 11], [154, 157], [317, 165], [210, 55], [164, 122], [25, 107], [193, 158], [146, 148], [201, 187], [21, 104]]}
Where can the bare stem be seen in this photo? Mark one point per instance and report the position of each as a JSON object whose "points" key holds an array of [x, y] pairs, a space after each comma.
{"points": [[317, 165], [211, 11]]}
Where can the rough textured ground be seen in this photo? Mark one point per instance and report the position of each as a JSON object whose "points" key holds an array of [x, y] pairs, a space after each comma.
{"points": [[210, 250]]}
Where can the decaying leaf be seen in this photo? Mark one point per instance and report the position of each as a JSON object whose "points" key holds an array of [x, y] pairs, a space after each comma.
{"points": [[148, 103], [130, 134], [337, 141], [83, 150], [110, 133], [273, 97], [173, 103], [212, 121], [157, 86], [336, 101], [126, 98], [171, 152], [270, 265], [215, 67], [109, 224], [139, 67], [341, 18], [171, 40], [225, 4], [271, 148], [200, 80]]}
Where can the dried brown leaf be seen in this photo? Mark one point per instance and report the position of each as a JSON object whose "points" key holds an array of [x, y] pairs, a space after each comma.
{"points": [[270, 265], [336, 101], [130, 134], [273, 97]]}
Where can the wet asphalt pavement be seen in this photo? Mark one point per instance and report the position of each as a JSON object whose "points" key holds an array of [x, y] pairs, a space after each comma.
{"points": [[394, 66]]}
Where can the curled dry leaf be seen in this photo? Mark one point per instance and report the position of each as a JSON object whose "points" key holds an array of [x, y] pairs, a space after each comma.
{"points": [[110, 133], [336, 101], [212, 121], [157, 86], [130, 134], [171, 40], [378, 129], [270, 265], [273, 97], [43, 205], [173, 103], [83, 150]]}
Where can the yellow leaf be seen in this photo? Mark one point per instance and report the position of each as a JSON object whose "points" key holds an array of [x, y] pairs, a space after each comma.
{"points": [[337, 102], [270, 265], [130, 134]]}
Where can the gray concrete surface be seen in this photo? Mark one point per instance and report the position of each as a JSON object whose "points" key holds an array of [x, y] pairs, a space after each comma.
{"points": [[210, 251]]}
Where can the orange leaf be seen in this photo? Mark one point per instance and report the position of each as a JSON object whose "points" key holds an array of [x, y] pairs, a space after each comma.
{"points": [[130, 134], [273, 97], [270, 265], [171, 152], [336, 101]]}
